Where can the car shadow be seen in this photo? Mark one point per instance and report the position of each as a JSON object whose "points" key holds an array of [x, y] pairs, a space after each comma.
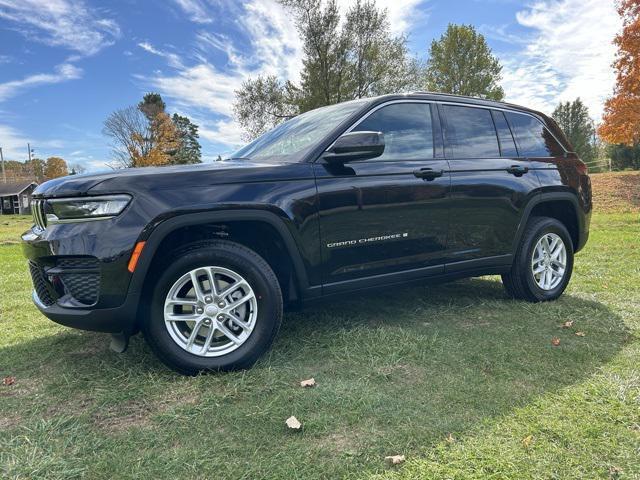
{"points": [[404, 366]]}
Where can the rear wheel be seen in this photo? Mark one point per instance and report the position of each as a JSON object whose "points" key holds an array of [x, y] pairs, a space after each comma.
{"points": [[216, 306], [543, 264]]}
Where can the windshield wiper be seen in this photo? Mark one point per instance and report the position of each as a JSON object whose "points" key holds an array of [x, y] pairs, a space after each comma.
{"points": [[238, 158]]}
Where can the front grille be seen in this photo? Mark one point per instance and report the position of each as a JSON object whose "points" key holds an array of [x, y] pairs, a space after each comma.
{"points": [[41, 285], [81, 278], [73, 280], [38, 212]]}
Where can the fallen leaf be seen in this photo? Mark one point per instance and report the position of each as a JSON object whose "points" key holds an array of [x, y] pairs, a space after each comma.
{"points": [[526, 441], [6, 381], [581, 334], [395, 459], [308, 383], [555, 341], [450, 439], [567, 324], [293, 423]]}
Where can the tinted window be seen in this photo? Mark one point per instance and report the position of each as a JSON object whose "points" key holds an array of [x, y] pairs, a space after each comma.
{"points": [[407, 128], [507, 145], [533, 139], [470, 132]]}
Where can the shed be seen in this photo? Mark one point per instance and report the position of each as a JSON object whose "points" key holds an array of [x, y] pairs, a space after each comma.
{"points": [[15, 198]]}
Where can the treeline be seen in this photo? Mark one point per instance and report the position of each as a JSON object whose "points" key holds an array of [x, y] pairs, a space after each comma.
{"points": [[358, 56], [38, 170]]}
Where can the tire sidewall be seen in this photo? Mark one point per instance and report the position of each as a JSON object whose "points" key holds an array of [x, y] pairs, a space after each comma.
{"points": [[268, 299], [545, 227]]}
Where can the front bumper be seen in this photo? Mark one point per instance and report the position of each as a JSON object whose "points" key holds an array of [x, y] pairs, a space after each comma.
{"points": [[80, 275]]}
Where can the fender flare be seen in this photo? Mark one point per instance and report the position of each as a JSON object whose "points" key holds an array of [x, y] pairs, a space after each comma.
{"points": [[546, 197], [165, 227]]}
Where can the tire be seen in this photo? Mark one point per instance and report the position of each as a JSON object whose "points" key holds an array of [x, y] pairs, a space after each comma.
{"points": [[521, 282], [174, 296]]}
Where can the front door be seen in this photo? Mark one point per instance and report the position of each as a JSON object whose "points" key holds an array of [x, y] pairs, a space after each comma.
{"points": [[386, 218]]}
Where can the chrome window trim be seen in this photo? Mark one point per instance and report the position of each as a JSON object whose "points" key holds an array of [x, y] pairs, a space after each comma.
{"points": [[461, 104]]}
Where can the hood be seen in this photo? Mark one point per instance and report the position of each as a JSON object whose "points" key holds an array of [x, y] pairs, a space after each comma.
{"points": [[177, 176]]}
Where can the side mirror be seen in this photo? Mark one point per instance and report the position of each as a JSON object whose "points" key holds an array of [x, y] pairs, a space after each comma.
{"points": [[355, 146]]}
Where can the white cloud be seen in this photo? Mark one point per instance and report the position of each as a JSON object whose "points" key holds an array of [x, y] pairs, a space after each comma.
{"points": [[61, 23], [65, 71], [196, 10], [569, 55], [172, 59], [402, 13]]}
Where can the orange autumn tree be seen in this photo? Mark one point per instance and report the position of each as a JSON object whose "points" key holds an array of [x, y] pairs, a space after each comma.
{"points": [[621, 120]]}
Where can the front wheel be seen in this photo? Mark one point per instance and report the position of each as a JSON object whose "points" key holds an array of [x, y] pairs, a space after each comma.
{"points": [[216, 306], [543, 264]]}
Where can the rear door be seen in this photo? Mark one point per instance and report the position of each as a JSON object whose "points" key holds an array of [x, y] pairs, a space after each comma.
{"points": [[387, 217], [490, 186]]}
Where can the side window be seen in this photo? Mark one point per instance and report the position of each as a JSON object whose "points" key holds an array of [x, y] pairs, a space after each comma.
{"points": [[407, 128], [507, 145], [533, 139], [471, 132]]}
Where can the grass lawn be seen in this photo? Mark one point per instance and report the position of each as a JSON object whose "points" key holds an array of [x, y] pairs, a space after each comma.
{"points": [[458, 378]]}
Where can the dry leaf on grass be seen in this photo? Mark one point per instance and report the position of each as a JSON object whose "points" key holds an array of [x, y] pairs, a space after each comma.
{"points": [[555, 341], [581, 334], [567, 324], [450, 439], [6, 381], [395, 459], [293, 423], [526, 441], [308, 383]]}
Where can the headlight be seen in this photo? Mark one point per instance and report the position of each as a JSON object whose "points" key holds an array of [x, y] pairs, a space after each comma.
{"points": [[64, 210]]}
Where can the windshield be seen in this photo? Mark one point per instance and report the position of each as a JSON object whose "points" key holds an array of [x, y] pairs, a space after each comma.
{"points": [[291, 140]]}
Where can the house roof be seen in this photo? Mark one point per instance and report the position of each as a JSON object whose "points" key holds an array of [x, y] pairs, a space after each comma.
{"points": [[7, 189]]}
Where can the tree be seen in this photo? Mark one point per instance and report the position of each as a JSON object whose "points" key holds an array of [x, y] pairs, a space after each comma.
{"points": [[189, 148], [151, 105], [145, 135], [36, 167], [55, 167], [262, 103], [573, 118], [343, 59], [621, 120], [77, 168], [462, 63]]}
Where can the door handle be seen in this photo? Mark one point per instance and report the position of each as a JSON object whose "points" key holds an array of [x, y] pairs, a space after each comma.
{"points": [[517, 170], [428, 173]]}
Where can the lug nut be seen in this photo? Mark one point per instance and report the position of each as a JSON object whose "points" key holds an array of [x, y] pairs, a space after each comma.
{"points": [[207, 322], [221, 304], [220, 317], [207, 299], [199, 310]]}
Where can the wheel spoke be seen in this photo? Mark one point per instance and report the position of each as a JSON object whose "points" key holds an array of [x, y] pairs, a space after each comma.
{"points": [[193, 335], [229, 290], [558, 263], [197, 288], [207, 342], [179, 302], [236, 303], [539, 269], [212, 281], [228, 333], [181, 317]]}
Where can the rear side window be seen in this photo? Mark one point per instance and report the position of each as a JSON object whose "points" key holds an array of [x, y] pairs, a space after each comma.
{"points": [[470, 132], [533, 139], [507, 145], [407, 128]]}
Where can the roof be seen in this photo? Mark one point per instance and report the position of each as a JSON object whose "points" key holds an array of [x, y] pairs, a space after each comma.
{"points": [[7, 189]]}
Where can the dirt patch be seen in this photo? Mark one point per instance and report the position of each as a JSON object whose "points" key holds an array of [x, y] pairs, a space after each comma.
{"points": [[616, 191], [23, 387], [10, 421], [402, 373], [126, 416], [343, 442]]}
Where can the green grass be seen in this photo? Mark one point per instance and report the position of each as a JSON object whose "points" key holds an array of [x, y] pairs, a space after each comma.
{"points": [[397, 373]]}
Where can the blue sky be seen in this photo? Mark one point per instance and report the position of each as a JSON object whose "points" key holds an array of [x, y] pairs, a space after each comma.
{"points": [[66, 64]]}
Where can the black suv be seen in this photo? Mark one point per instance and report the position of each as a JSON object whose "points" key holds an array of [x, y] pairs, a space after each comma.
{"points": [[362, 194]]}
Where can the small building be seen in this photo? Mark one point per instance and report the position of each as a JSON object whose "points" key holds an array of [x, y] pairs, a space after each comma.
{"points": [[15, 198]]}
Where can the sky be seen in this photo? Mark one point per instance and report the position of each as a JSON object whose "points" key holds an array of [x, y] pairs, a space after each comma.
{"points": [[65, 65]]}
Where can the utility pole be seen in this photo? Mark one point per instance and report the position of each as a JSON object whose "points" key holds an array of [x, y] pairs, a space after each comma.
{"points": [[29, 150], [4, 175]]}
